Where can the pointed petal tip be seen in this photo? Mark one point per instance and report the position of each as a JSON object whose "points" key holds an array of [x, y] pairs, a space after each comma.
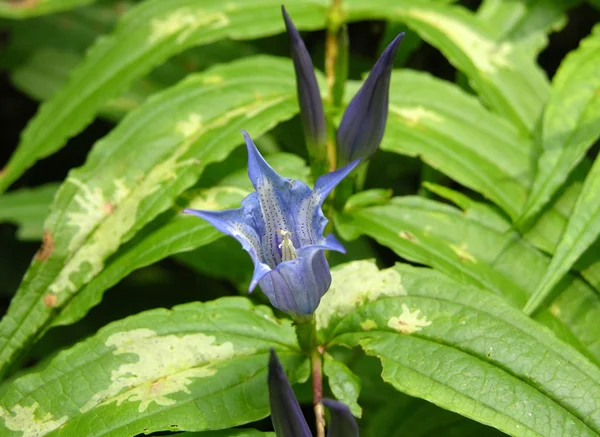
{"points": [[273, 360], [276, 372], [289, 24], [334, 244], [196, 212]]}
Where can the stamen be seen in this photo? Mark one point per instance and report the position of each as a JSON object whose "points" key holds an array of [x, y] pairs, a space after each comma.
{"points": [[288, 251]]}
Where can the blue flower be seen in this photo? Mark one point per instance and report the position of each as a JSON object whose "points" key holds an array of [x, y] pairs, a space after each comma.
{"points": [[286, 415], [363, 123], [281, 226]]}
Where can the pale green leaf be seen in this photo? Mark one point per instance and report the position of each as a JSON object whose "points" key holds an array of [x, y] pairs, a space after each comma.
{"points": [[199, 366], [571, 121], [470, 352], [19, 9], [137, 172], [526, 23], [582, 230], [503, 74], [28, 208], [473, 146], [471, 250], [344, 384], [147, 35]]}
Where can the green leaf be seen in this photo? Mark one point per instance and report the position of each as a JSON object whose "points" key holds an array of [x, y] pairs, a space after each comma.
{"points": [[525, 23], [446, 342], [135, 173], [344, 384], [27, 208], [475, 250], [199, 366], [48, 69], [488, 156], [146, 36], [507, 79], [581, 231], [19, 9], [570, 123], [43, 52]]}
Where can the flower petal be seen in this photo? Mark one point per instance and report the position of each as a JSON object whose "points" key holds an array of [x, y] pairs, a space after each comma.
{"points": [[342, 423], [326, 183], [286, 414], [274, 199], [297, 286], [309, 96], [363, 123], [309, 221], [240, 223]]}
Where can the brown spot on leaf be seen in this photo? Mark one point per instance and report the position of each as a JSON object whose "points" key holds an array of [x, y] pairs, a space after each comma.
{"points": [[23, 4], [47, 247], [408, 236], [108, 208], [50, 300]]}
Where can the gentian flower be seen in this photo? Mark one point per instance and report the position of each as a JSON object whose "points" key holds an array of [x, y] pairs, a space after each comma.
{"points": [[309, 97], [281, 226], [286, 415], [363, 123]]}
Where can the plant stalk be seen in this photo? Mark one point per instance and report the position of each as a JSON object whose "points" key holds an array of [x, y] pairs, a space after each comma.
{"points": [[331, 57], [317, 384]]}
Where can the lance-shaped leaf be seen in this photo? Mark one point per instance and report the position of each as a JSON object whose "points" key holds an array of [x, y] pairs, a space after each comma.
{"points": [[286, 414], [582, 230], [196, 367], [570, 122], [309, 96], [502, 73], [342, 422], [466, 350], [146, 36], [363, 124], [476, 247]]}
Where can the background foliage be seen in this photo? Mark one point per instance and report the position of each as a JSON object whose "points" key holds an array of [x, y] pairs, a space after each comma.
{"points": [[468, 302]]}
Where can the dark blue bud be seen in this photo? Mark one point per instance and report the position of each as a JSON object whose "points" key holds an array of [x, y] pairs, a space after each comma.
{"points": [[286, 415], [309, 97], [363, 124], [342, 422]]}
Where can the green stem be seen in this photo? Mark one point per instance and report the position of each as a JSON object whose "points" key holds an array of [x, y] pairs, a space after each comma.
{"points": [[317, 384], [306, 331], [332, 51]]}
